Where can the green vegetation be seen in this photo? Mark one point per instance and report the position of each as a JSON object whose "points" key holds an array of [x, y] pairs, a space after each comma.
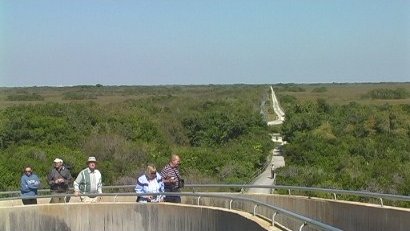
{"points": [[344, 93], [383, 93], [337, 138], [78, 96], [291, 87], [25, 97], [319, 89], [352, 146], [217, 130]]}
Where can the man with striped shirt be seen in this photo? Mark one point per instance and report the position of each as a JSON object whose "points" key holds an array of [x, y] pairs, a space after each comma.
{"points": [[172, 179], [89, 182]]}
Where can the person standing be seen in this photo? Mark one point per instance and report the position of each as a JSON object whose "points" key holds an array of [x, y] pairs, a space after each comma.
{"points": [[272, 171], [172, 179], [29, 184], [59, 180], [89, 181], [150, 182]]}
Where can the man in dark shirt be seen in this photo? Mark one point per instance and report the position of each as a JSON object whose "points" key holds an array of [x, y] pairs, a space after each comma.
{"points": [[172, 179], [59, 180]]}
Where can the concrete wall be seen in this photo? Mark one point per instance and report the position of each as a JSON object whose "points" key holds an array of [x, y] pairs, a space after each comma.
{"points": [[341, 214], [124, 216]]}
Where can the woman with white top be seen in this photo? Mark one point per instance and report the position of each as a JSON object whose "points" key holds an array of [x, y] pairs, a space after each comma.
{"points": [[150, 182]]}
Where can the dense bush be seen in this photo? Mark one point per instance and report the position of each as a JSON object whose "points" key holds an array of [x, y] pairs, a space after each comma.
{"points": [[353, 147], [319, 89], [25, 97], [290, 87], [218, 131], [383, 93], [79, 96]]}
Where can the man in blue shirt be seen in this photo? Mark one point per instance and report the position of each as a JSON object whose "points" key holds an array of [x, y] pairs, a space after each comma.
{"points": [[29, 184]]}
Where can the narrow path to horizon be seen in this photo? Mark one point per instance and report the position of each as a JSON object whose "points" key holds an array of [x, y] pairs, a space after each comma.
{"points": [[277, 161]]}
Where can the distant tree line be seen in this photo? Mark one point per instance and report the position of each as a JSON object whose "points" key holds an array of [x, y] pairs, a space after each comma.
{"points": [[25, 97], [385, 93]]}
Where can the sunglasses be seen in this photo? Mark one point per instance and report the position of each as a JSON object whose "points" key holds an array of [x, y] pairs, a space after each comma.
{"points": [[27, 171]]}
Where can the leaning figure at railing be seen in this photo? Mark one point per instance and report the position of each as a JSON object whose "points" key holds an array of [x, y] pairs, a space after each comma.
{"points": [[172, 179], [89, 182], [29, 184], [59, 180], [150, 182]]}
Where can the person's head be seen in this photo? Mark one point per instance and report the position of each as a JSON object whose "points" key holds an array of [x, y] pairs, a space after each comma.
{"points": [[92, 162], [151, 171], [58, 163], [28, 170], [175, 160]]}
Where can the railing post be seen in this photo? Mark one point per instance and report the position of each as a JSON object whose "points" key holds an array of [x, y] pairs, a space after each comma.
{"points": [[381, 201], [334, 196], [197, 203], [301, 227], [273, 218], [230, 204], [115, 198], [254, 210], [289, 192]]}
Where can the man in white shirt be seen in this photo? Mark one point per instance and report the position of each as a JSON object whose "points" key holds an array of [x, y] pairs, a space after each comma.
{"points": [[89, 181]]}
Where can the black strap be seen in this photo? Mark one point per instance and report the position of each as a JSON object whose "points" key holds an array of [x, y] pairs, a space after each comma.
{"points": [[59, 172], [176, 174]]}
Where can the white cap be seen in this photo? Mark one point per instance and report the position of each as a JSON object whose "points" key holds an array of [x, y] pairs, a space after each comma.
{"points": [[58, 160], [91, 159]]}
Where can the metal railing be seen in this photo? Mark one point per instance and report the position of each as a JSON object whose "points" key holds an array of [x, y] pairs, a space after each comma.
{"points": [[333, 192], [304, 221], [242, 187]]}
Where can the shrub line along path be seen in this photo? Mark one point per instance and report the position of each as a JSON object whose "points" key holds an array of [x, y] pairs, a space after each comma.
{"points": [[265, 178]]}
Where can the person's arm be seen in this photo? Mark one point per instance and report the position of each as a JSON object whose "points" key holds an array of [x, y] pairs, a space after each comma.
{"points": [[68, 179], [161, 189], [167, 179], [99, 184], [163, 175], [141, 187], [35, 184], [23, 186], [50, 179], [161, 186], [77, 183]]}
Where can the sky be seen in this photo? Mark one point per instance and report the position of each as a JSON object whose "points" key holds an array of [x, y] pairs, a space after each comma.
{"points": [[68, 42]]}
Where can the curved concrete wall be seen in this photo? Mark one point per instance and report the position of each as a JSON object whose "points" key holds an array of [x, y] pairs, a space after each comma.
{"points": [[341, 214], [125, 216], [344, 215]]}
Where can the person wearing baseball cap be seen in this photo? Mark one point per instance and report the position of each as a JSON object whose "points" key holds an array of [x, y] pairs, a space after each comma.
{"points": [[59, 180], [89, 181]]}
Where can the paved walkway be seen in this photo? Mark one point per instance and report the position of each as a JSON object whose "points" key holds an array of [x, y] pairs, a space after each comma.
{"points": [[277, 161], [265, 178]]}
